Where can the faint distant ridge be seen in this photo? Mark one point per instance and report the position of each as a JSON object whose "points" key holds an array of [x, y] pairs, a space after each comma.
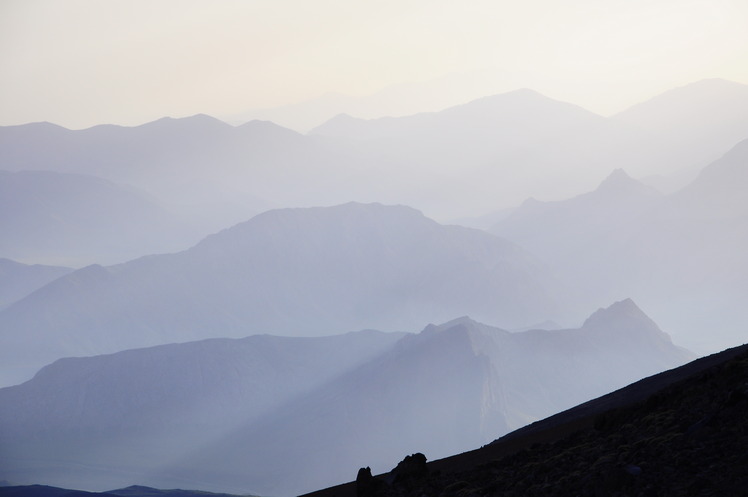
{"points": [[17, 280], [578, 230], [703, 100], [69, 219], [518, 107], [619, 182], [489, 153], [701, 119], [720, 187]]}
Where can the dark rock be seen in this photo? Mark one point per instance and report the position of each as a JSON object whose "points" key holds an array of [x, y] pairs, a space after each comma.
{"points": [[365, 483], [633, 470], [412, 467]]}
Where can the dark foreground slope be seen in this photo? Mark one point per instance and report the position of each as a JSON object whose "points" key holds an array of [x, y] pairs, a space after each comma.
{"points": [[682, 432]]}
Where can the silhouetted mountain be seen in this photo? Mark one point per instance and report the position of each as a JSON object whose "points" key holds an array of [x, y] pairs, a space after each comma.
{"points": [[293, 271], [693, 125], [18, 280], [75, 219], [281, 415]]}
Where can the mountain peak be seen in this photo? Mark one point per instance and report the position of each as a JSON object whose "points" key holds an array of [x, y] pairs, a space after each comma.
{"points": [[462, 320], [622, 313], [465, 323], [619, 181], [342, 125], [266, 129]]}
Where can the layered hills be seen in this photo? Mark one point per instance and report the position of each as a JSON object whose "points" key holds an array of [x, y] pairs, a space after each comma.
{"points": [[680, 432], [181, 400], [279, 416], [18, 280], [72, 219], [291, 271], [695, 123], [681, 255], [468, 159]]}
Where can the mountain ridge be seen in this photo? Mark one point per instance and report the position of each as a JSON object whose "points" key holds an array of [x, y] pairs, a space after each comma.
{"points": [[291, 271], [449, 388]]}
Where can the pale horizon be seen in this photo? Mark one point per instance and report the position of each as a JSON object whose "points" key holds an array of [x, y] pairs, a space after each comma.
{"points": [[82, 63]]}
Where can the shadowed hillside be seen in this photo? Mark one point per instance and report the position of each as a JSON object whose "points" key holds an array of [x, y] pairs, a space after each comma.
{"points": [[681, 432]]}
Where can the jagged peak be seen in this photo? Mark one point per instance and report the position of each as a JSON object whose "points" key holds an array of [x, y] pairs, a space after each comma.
{"points": [[621, 312], [463, 322], [618, 181]]}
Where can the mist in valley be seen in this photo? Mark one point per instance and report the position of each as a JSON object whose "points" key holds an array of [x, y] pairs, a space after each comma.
{"points": [[287, 282]]}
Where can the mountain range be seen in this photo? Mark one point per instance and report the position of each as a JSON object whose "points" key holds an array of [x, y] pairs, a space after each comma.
{"points": [[277, 416], [682, 255], [230, 361], [300, 272], [465, 160], [695, 123], [18, 280], [70, 219]]}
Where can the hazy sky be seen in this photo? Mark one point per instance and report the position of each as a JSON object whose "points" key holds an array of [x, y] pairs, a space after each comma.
{"points": [[85, 62]]}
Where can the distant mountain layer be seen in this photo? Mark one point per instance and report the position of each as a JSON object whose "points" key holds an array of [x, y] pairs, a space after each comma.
{"points": [[294, 271], [681, 255], [72, 219], [697, 123], [681, 432], [18, 280], [278, 416], [558, 230], [465, 160]]}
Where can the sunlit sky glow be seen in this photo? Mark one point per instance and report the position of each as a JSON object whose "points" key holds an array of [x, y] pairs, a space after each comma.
{"points": [[84, 62]]}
